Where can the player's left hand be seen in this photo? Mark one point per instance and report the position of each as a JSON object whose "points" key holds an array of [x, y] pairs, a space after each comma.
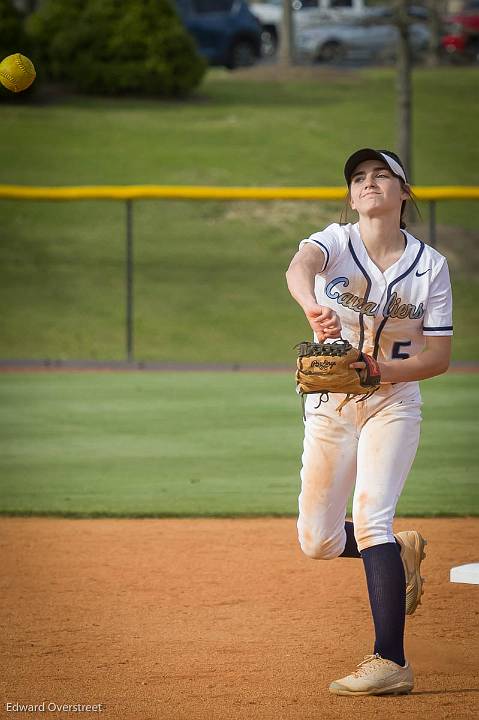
{"points": [[367, 368], [358, 365]]}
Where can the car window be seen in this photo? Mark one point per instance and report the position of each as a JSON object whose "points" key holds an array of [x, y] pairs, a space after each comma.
{"points": [[212, 6], [341, 4], [300, 4]]}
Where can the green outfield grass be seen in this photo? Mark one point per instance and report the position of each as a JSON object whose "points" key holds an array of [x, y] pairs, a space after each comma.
{"points": [[246, 128], [210, 274], [166, 444]]}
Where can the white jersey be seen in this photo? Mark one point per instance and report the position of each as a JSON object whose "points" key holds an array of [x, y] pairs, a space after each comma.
{"points": [[385, 314], [371, 446]]}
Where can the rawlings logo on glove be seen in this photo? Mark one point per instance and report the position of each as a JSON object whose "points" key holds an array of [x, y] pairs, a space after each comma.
{"points": [[324, 368], [324, 365]]}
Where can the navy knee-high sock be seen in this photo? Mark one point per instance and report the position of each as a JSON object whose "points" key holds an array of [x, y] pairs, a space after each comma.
{"points": [[351, 547], [387, 596]]}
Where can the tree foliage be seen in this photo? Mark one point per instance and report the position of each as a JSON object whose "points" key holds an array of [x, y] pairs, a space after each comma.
{"points": [[116, 47], [12, 36]]}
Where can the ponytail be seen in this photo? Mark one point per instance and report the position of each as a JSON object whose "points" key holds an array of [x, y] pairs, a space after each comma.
{"points": [[404, 207]]}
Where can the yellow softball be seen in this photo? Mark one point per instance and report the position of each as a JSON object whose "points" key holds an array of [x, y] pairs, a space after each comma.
{"points": [[17, 72]]}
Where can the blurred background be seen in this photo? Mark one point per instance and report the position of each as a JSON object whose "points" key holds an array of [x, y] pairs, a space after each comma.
{"points": [[201, 92], [219, 93]]}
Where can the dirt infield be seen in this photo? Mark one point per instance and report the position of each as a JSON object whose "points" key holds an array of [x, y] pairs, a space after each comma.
{"points": [[218, 619]]}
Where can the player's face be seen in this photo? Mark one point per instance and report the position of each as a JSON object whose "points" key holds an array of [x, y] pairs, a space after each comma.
{"points": [[375, 190]]}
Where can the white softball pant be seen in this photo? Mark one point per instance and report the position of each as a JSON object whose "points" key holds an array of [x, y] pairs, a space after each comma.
{"points": [[371, 446]]}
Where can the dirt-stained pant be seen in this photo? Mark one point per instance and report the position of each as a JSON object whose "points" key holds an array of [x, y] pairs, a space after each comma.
{"points": [[371, 445]]}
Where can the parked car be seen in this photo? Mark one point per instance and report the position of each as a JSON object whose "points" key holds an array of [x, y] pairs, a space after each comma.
{"points": [[310, 13], [270, 14], [334, 42], [461, 34], [226, 31]]}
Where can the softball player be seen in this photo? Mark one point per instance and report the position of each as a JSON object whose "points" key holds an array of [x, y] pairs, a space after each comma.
{"points": [[389, 294]]}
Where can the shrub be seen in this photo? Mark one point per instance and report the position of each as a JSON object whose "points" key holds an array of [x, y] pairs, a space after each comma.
{"points": [[116, 47]]}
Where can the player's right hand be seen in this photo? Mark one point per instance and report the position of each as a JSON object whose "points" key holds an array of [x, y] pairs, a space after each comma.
{"points": [[324, 321]]}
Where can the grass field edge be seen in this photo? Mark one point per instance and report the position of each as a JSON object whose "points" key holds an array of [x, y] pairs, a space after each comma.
{"points": [[199, 516]]}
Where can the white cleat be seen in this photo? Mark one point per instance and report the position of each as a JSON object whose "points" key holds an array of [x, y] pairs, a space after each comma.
{"points": [[412, 554], [376, 676]]}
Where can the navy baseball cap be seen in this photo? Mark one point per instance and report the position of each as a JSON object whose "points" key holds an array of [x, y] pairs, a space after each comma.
{"points": [[386, 156]]}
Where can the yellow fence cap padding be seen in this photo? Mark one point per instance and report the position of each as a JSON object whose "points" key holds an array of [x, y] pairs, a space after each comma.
{"points": [[198, 192]]}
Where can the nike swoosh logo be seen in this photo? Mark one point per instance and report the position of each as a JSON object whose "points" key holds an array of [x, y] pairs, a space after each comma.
{"points": [[418, 274]]}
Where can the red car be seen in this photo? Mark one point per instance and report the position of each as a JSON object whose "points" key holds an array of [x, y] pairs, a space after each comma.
{"points": [[461, 33]]}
